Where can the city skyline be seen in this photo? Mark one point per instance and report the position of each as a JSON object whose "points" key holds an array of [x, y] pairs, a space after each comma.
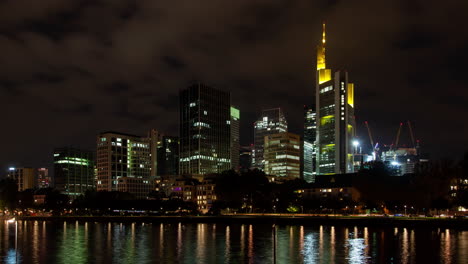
{"points": [[128, 79]]}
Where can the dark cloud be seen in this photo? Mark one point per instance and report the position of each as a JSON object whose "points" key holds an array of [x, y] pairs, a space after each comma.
{"points": [[75, 68]]}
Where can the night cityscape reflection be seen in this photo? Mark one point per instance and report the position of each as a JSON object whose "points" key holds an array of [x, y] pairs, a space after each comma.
{"points": [[219, 131]]}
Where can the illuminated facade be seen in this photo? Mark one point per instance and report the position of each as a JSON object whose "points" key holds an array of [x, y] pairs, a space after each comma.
{"points": [[120, 156], [283, 155], [24, 177], [335, 118], [235, 136], [205, 130], [43, 178], [73, 170], [310, 136], [272, 121]]}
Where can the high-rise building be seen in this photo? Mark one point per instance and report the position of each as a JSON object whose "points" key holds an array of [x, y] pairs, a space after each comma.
{"points": [[154, 137], [73, 170], [335, 118], [310, 136], [121, 156], [43, 178], [272, 121], [282, 155], [168, 155], [24, 177], [235, 137], [245, 158], [205, 130]]}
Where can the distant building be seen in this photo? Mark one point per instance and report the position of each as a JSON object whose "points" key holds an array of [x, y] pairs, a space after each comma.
{"points": [[282, 155], [335, 118], [201, 193], [24, 177], [272, 121], [205, 130], [235, 138], [168, 155], [121, 156], [43, 178], [401, 161], [73, 170], [309, 148], [245, 158]]}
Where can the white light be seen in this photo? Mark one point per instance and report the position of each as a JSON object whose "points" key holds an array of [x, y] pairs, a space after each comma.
{"points": [[11, 168], [12, 220], [394, 163], [355, 143]]}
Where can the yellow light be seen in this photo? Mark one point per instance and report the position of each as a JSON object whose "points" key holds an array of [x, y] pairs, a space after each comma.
{"points": [[326, 119], [324, 75], [351, 94]]}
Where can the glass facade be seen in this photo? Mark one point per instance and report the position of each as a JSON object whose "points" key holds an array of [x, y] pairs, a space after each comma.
{"points": [[235, 137], [310, 134], [205, 130], [168, 156], [272, 121], [122, 155], [335, 118], [283, 155], [73, 170]]}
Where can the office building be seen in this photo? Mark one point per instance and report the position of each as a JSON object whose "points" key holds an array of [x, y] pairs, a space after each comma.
{"points": [[335, 118], [24, 177], [168, 155], [121, 156], [282, 155], [245, 158], [272, 121], [235, 137], [43, 178], [309, 144], [205, 130], [73, 171]]}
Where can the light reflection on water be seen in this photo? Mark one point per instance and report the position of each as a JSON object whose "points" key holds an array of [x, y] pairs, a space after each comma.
{"points": [[90, 242]]}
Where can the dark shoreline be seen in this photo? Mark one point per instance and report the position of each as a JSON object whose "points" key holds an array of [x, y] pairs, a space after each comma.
{"points": [[280, 220]]}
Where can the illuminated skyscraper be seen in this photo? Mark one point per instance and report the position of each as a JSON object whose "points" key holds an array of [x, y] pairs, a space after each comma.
{"points": [[205, 130], [124, 163], [272, 121], [309, 148], [43, 178], [335, 118], [235, 136], [282, 155], [73, 171]]}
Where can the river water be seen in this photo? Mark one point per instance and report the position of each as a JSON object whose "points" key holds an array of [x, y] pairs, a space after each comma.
{"points": [[90, 242]]}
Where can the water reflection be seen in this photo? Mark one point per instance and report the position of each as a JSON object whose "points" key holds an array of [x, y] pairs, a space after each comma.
{"points": [[88, 242]]}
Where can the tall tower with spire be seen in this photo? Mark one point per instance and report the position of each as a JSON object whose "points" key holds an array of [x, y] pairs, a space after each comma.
{"points": [[335, 118]]}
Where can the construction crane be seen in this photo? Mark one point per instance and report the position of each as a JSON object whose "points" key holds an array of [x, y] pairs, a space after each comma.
{"points": [[411, 133], [375, 149], [398, 137]]}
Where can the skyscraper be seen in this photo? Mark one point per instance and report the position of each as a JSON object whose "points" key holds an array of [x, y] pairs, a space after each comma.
{"points": [[272, 121], [123, 163], [73, 170], [235, 136], [309, 148], [282, 155], [335, 117], [205, 130], [168, 155]]}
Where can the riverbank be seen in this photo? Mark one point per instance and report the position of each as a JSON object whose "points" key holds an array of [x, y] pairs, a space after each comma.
{"points": [[367, 221]]}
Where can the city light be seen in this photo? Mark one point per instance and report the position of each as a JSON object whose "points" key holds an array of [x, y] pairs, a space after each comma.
{"points": [[355, 143]]}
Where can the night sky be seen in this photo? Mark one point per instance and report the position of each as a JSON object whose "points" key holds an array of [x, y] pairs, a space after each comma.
{"points": [[71, 69]]}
